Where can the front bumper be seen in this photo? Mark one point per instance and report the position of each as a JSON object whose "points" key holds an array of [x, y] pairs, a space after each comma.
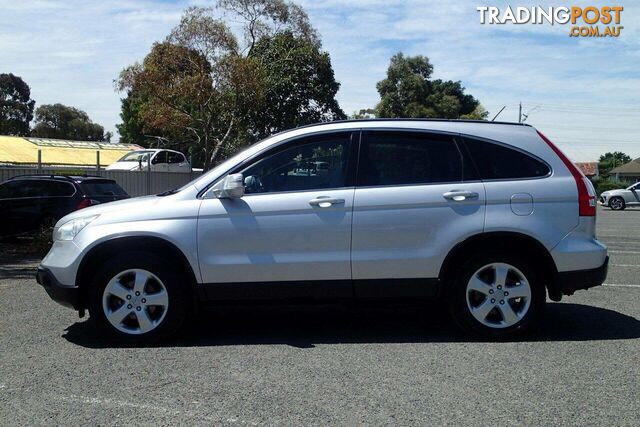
{"points": [[567, 282], [68, 296]]}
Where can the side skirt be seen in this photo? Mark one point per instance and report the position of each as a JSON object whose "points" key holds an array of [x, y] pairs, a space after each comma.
{"points": [[320, 290]]}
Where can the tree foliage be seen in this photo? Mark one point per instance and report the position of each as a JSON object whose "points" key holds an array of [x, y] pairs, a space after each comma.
{"points": [[409, 91], [16, 105], [207, 92], [609, 161], [63, 122], [298, 82]]}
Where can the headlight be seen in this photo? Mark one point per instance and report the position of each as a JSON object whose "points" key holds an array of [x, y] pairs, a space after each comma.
{"points": [[70, 229]]}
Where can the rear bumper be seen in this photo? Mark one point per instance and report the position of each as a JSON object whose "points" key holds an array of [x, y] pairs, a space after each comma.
{"points": [[567, 282], [68, 296]]}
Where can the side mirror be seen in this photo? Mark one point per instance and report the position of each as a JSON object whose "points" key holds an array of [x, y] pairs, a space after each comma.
{"points": [[230, 187]]}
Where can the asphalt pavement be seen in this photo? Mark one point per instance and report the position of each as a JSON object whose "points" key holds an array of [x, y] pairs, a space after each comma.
{"points": [[332, 364]]}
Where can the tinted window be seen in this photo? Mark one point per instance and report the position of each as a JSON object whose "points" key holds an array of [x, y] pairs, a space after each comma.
{"points": [[10, 190], [399, 158], [495, 161], [175, 157], [102, 188], [161, 157], [314, 163], [57, 189]]}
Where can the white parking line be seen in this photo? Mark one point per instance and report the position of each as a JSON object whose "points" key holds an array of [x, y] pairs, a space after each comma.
{"points": [[623, 252], [626, 265], [621, 285]]}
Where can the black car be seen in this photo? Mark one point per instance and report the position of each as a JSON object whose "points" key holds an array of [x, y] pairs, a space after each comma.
{"points": [[30, 202]]}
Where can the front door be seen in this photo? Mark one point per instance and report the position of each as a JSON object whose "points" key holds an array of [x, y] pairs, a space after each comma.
{"points": [[292, 228], [412, 204]]}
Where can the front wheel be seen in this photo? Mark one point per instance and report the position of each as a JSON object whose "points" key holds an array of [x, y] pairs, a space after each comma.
{"points": [[138, 298], [496, 296], [617, 203]]}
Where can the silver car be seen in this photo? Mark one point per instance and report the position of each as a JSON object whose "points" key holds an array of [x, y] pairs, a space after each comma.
{"points": [[489, 217], [619, 199]]}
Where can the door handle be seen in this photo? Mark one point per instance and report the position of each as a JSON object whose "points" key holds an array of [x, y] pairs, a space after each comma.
{"points": [[325, 201], [460, 195]]}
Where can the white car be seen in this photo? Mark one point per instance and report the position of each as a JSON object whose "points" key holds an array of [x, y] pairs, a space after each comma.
{"points": [[161, 161], [490, 217], [620, 199]]}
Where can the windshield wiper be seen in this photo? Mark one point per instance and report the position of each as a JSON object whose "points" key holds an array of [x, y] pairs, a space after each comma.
{"points": [[168, 192]]}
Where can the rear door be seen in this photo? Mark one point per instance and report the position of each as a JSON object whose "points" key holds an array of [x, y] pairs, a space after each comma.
{"points": [[177, 162], [415, 200]]}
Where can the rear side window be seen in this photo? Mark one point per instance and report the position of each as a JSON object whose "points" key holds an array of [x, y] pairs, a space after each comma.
{"points": [[402, 158], [495, 161], [175, 157], [101, 188], [35, 188], [58, 189]]}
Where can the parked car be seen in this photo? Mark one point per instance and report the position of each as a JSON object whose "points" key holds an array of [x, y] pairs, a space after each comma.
{"points": [[488, 216], [619, 199], [30, 202], [161, 161]]}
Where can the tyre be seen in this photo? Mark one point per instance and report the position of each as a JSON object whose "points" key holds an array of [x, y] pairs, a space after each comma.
{"points": [[496, 295], [138, 298], [617, 203]]}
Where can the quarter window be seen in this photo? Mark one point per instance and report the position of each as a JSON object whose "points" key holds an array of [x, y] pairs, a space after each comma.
{"points": [[495, 161], [311, 164], [401, 158]]}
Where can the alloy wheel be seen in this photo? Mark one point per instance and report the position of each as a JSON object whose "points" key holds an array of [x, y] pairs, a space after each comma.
{"points": [[135, 301], [498, 295]]}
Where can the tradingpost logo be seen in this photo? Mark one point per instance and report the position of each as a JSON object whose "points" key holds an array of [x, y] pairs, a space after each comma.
{"points": [[587, 21]]}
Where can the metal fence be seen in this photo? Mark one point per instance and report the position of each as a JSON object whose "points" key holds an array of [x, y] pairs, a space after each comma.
{"points": [[137, 183]]}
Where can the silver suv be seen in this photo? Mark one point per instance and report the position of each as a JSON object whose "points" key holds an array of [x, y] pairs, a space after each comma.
{"points": [[490, 217]]}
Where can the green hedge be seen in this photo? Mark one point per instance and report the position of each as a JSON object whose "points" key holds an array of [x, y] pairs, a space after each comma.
{"points": [[607, 184]]}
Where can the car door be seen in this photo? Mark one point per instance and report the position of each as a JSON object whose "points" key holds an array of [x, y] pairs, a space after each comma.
{"points": [[159, 162], [413, 204], [290, 234], [177, 162]]}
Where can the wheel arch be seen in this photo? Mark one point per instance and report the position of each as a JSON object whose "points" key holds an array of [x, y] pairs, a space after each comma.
{"points": [[505, 240], [158, 245]]}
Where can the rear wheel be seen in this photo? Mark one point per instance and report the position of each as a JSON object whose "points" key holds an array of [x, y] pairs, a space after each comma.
{"points": [[496, 296], [617, 203], [138, 298]]}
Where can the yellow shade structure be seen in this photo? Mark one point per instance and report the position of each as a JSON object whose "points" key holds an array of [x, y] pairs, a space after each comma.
{"points": [[24, 150]]}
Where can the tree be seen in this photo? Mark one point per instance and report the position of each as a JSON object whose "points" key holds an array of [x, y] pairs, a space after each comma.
{"points": [[609, 161], [63, 122], [16, 105], [409, 91], [207, 93], [299, 84]]}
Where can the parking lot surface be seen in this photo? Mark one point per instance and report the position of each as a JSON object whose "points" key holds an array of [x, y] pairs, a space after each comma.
{"points": [[332, 364]]}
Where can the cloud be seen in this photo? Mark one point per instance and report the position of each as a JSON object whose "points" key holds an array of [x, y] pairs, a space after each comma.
{"points": [[581, 92]]}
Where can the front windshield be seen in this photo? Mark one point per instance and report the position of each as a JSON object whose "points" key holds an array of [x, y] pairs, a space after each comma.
{"points": [[136, 156], [635, 186]]}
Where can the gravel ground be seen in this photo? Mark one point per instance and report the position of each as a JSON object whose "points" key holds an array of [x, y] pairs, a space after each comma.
{"points": [[332, 365]]}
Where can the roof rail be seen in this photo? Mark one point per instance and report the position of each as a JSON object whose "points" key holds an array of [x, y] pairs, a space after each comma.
{"points": [[413, 120]]}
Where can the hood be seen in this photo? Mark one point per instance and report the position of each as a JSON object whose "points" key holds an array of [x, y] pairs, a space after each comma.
{"points": [[124, 166], [141, 204]]}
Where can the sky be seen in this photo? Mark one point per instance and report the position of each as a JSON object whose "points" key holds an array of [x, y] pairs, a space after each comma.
{"points": [[584, 94]]}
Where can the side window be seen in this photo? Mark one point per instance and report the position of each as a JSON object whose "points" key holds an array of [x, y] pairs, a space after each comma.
{"points": [[308, 164], [495, 161], [58, 189], [11, 190], [175, 157], [161, 157], [401, 158]]}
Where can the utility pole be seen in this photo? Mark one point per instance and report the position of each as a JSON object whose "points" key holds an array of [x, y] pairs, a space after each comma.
{"points": [[520, 113]]}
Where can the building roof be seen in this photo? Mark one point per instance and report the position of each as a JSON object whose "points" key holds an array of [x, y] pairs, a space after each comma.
{"points": [[588, 168], [631, 167], [19, 150]]}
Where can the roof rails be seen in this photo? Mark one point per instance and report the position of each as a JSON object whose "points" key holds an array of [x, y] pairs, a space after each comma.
{"points": [[413, 120], [70, 176]]}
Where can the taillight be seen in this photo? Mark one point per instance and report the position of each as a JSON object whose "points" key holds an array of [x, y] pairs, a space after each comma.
{"points": [[586, 192], [85, 202]]}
